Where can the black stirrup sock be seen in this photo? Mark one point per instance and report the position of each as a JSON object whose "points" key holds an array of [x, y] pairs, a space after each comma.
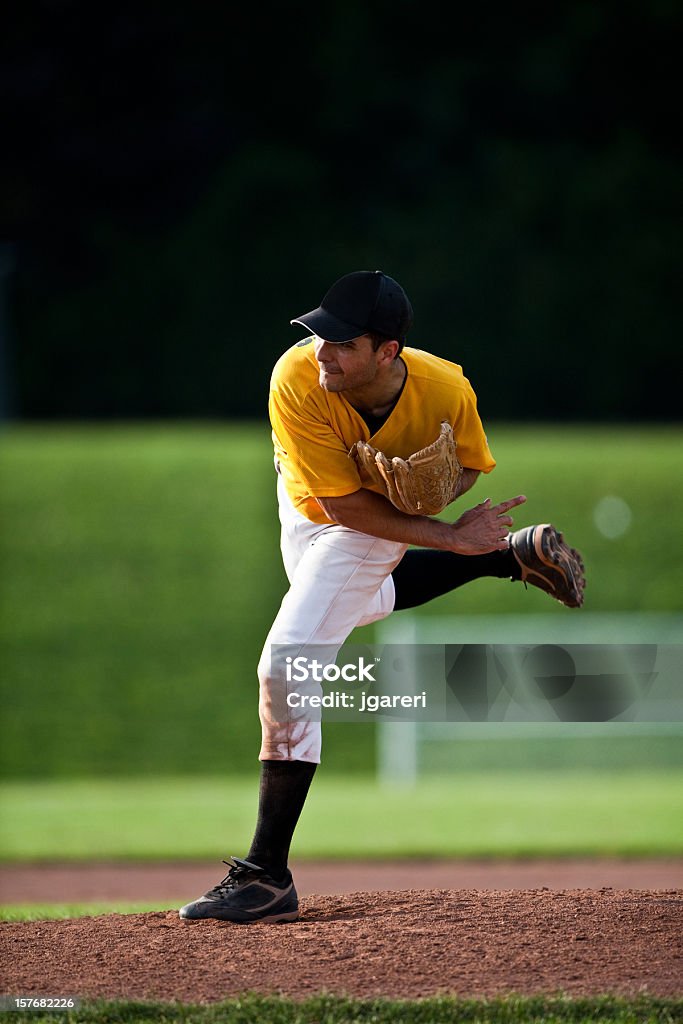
{"points": [[425, 573], [282, 791]]}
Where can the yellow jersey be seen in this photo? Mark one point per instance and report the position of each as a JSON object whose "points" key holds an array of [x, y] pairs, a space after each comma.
{"points": [[313, 430]]}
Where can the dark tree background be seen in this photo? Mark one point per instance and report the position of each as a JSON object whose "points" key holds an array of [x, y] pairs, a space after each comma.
{"points": [[179, 180]]}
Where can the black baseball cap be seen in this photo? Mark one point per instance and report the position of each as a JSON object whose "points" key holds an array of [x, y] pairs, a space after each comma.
{"points": [[366, 300]]}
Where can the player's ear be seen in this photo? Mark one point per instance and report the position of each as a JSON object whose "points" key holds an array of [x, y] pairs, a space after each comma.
{"points": [[390, 351]]}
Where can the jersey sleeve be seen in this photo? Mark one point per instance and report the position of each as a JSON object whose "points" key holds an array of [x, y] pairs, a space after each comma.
{"points": [[468, 430], [310, 451]]}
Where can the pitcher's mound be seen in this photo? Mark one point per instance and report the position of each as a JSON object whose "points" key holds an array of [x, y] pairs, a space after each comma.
{"points": [[407, 944]]}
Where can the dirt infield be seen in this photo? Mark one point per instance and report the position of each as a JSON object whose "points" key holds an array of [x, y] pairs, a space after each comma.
{"points": [[410, 943], [176, 883], [484, 930]]}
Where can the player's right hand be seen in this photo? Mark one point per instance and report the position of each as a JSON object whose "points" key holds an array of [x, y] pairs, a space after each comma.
{"points": [[484, 528]]}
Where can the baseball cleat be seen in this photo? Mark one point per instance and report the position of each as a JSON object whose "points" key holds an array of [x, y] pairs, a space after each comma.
{"points": [[247, 893], [549, 564]]}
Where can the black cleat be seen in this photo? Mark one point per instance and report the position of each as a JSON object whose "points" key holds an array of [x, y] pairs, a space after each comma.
{"points": [[549, 564], [246, 894]]}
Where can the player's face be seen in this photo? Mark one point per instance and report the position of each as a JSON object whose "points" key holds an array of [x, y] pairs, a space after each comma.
{"points": [[346, 364]]}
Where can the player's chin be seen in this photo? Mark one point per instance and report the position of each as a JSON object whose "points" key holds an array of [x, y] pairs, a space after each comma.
{"points": [[331, 381]]}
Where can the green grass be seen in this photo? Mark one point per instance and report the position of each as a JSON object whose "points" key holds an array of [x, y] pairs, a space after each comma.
{"points": [[140, 572], [326, 1009], [471, 814], [61, 911]]}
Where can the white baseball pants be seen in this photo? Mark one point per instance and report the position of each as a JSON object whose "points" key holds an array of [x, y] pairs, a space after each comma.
{"points": [[339, 579]]}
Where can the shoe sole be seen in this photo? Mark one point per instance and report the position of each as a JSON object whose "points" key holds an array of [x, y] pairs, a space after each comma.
{"points": [[293, 915], [236, 917], [552, 552]]}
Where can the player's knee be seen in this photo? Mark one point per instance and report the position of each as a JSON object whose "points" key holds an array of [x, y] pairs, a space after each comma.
{"points": [[271, 671], [263, 668]]}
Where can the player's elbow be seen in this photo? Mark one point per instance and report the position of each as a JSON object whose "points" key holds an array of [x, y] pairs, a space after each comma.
{"points": [[339, 510], [468, 479]]}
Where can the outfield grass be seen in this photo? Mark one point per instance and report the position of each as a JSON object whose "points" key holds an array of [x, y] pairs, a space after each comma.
{"points": [[140, 573], [327, 1009], [485, 814], [63, 911]]}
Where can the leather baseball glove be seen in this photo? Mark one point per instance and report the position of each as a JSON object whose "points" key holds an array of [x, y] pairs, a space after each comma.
{"points": [[424, 483]]}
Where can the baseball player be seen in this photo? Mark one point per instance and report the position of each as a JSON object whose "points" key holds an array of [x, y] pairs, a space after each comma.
{"points": [[365, 431]]}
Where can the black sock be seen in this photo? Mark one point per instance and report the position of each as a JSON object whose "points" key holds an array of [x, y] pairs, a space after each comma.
{"points": [[282, 792], [425, 573]]}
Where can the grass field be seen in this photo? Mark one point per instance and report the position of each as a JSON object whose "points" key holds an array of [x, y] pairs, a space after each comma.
{"points": [[471, 814], [140, 572], [333, 1010]]}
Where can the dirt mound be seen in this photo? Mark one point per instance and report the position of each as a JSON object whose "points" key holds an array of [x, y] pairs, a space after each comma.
{"points": [[410, 944]]}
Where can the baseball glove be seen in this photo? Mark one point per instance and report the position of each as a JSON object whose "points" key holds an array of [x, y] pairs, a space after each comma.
{"points": [[424, 483]]}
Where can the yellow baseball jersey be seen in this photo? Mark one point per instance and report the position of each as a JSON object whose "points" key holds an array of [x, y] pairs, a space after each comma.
{"points": [[314, 430]]}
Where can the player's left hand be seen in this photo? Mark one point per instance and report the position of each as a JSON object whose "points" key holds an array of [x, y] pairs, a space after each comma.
{"points": [[485, 527]]}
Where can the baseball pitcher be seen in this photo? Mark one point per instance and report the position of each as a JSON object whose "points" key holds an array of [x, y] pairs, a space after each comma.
{"points": [[372, 439]]}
